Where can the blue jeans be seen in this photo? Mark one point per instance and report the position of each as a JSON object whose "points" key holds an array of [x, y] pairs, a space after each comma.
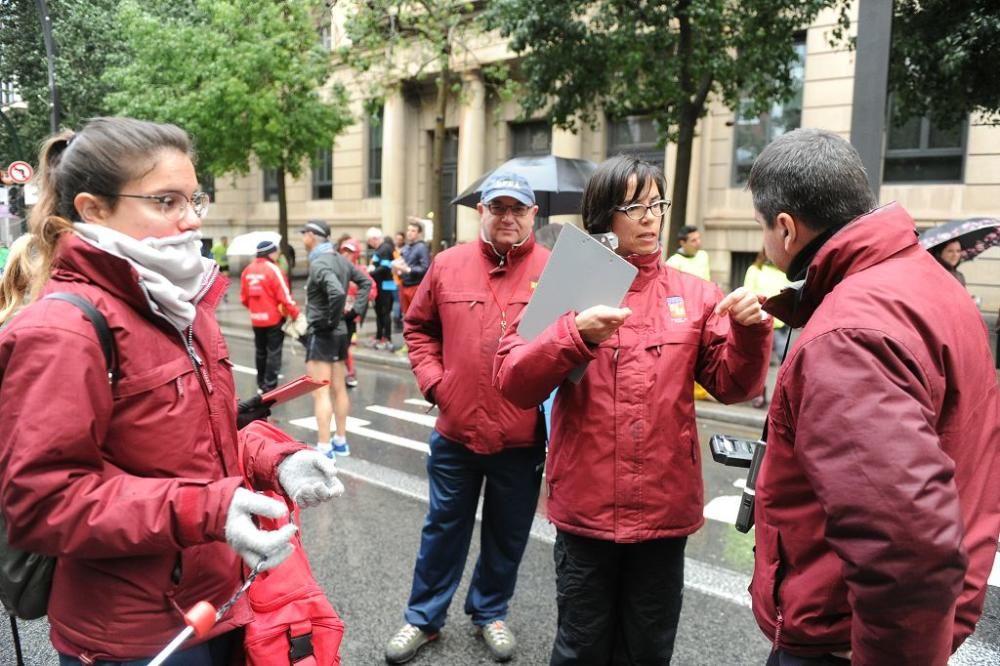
{"points": [[456, 475], [216, 652]]}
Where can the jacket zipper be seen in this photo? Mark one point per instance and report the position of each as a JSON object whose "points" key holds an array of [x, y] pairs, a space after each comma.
{"points": [[779, 621], [199, 365]]}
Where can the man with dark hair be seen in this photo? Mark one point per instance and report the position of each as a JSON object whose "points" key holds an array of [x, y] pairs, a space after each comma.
{"points": [[413, 263], [470, 295], [877, 506], [689, 257], [264, 291], [327, 339]]}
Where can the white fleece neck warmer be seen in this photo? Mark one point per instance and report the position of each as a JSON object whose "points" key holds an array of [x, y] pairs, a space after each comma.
{"points": [[171, 269]]}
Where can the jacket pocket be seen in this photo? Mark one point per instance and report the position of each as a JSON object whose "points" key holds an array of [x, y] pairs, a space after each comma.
{"points": [[768, 573]]}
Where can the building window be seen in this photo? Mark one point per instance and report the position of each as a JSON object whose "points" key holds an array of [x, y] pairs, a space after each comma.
{"points": [[530, 139], [325, 37], [752, 133], [375, 153], [919, 150], [322, 175], [207, 182], [635, 135], [739, 262], [270, 184]]}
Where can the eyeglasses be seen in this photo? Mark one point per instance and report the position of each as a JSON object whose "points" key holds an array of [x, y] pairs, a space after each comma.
{"points": [[637, 211], [174, 205], [518, 210]]}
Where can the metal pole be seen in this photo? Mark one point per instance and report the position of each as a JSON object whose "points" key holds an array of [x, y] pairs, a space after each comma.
{"points": [[50, 53], [14, 138], [871, 78]]}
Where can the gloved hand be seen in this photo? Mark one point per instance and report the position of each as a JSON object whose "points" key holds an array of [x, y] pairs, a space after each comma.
{"points": [[296, 328], [252, 409], [252, 543], [309, 478]]}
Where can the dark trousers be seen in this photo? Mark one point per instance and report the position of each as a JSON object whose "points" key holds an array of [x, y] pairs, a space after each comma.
{"points": [[456, 476], [782, 658], [267, 341], [383, 314], [619, 603]]}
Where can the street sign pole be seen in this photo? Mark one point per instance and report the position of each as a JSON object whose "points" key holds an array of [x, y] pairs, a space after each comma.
{"points": [[50, 54], [871, 78]]}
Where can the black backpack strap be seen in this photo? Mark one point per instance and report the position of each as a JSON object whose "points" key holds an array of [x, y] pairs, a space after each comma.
{"points": [[104, 336]]}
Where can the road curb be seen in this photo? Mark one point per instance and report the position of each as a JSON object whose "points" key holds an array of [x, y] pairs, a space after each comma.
{"points": [[705, 410]]}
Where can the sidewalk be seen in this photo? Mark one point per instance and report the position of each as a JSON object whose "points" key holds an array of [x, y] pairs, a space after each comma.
{"points": [[235, 323]]}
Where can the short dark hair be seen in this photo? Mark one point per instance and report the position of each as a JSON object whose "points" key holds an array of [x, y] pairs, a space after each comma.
{"points": [[815, 176], [608, 185], [685, 231], [419, 226]]}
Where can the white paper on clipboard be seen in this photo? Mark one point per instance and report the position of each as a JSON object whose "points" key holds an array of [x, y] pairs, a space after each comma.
{"points": [[580, 273]]}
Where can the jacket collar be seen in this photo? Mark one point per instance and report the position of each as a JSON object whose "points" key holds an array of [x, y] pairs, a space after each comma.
{"points": [[864, 242], [649, 266], [496, 259]]}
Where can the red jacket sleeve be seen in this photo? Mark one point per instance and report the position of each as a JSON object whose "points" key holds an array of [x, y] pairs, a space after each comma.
{"points": [[733, 359], [527, 372], [278, 288], [422, 332], [58, 495], [264, 446], [865, 438]]}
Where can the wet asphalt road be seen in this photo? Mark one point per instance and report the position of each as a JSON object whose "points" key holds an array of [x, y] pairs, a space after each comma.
{"points": [[363, 546]]}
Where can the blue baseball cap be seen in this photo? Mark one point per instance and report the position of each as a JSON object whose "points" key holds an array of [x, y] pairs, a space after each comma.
{"points": [[507, 184]]}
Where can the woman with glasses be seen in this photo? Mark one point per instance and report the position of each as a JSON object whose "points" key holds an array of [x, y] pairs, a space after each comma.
{"points": [[131, 478], [623, 479]]}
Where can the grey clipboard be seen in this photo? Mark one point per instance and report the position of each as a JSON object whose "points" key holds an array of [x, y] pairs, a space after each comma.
{"points": [[580, 273]]}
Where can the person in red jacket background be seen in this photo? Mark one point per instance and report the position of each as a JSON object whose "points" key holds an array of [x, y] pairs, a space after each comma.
{"points": [[264, 290], [623, 481], [877, 503]]}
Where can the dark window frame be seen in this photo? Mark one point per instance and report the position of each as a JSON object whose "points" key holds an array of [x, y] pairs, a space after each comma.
{"points": [[527, 130], [269, 184], [738, 176], [649, 151], [373, 186], [923, 151], [322, 175]]}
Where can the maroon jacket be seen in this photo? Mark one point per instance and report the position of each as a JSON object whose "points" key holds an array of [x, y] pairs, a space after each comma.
{"points": [[129, 487], [624, 462], [878, 504], [452, 330]]}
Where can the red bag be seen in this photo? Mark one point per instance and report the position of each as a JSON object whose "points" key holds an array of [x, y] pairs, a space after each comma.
{"points": [[294, 622]]}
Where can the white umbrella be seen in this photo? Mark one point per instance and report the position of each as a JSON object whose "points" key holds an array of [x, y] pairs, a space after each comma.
{"points": [[246, 244]]}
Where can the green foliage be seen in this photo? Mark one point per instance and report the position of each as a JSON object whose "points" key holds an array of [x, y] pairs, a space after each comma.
{"points": [[944, 59], [86, 36], [662, 58], [246, 79]]}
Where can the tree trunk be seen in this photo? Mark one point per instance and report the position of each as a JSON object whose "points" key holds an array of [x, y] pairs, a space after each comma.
{"points": [[437, 157], [682, 175], [283, 217]]}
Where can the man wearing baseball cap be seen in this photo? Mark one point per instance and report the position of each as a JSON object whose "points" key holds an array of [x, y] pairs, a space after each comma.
{"points": [[327, 339], [264, 291], [465, 302]]}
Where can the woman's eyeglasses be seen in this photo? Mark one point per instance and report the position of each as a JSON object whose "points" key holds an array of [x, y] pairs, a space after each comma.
{"points": [[173, 206], [637, 211]]}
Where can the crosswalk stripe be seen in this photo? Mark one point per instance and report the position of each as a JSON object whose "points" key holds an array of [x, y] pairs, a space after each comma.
{"points": [[413, 417], [417, 402], [356, 426], [245, 370]]}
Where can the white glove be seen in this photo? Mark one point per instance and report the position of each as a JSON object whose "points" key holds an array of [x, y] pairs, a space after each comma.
{"points": [[296, 328], [309, 478], [250, 542]]}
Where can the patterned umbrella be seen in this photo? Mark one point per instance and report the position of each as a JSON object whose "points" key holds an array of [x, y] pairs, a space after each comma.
{"points": [[976, 234]]}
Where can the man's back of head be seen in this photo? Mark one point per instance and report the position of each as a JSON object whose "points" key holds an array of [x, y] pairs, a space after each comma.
{"points": [[815, 176]]}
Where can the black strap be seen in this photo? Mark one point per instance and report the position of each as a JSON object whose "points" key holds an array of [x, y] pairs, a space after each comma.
{"points": [[17, 641], [104, 336]]}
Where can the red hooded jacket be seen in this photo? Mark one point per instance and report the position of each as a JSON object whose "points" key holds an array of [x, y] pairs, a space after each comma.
{"points": [[878, 504], [129, 486], [264, 291], [624, 462], [452, 330]]}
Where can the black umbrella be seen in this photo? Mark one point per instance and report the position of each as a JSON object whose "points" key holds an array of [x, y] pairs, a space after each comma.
{"points": [[557, 181], [975, 234]]}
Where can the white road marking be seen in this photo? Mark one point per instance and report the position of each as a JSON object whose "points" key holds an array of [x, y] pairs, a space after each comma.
{"points": [[357, 427], [245, 370], [417, 402], [413, 417], [723, 509], [994, 579]]}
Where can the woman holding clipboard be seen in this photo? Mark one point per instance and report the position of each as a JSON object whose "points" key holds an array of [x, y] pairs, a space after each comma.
{"points": [[624, 484]]}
